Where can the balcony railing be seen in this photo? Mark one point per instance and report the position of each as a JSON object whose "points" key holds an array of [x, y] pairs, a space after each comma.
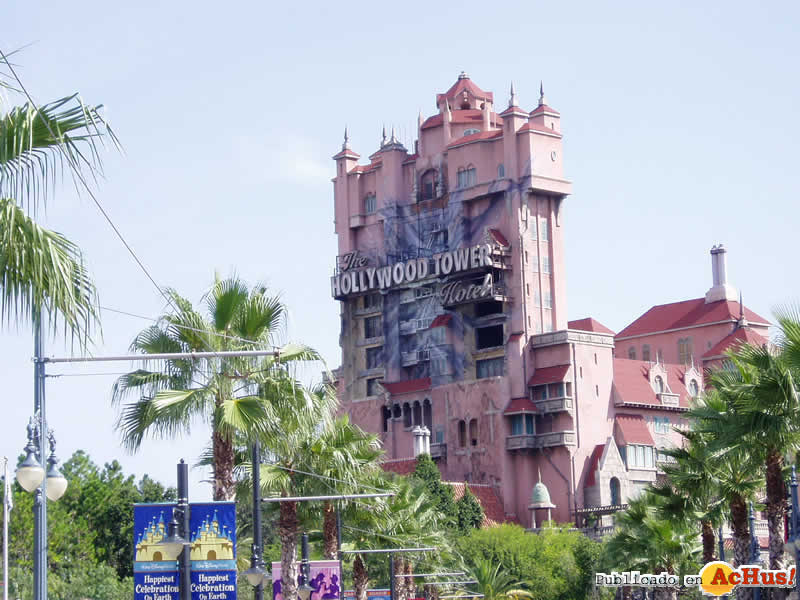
{"points": [[540, 440], [414, 357], [554, 405]]}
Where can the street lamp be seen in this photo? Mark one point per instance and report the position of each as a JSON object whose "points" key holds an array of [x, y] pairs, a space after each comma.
{"points": [[305, 590], [30, 472], [256, 575], [174, 542]]}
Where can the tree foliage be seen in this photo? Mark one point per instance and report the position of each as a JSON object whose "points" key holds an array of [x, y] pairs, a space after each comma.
{"points": [[468, 511]]}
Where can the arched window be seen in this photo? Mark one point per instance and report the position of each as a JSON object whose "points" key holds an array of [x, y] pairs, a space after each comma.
{"points": [[406, 415], [646, 352], [417, 414], [501, 171], [387, 414], [462, 434], [396, 412], [428, 185], [616, 500], [659, 384], [632, 352], [694, 389], [466, 177], [471, 131], [427, 418], [473, 432]]}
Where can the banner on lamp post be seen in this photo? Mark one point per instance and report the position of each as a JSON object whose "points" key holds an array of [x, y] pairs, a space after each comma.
{"points": [[213, 550], [325, 580], [154, 578]]}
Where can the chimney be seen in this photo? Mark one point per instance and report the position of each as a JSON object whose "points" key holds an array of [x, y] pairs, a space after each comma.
{"points": [[419, 441], [426, 440], [720, 288]]}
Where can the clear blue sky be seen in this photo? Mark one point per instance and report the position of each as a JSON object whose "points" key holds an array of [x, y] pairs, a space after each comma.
{"points": [[680, 129]]}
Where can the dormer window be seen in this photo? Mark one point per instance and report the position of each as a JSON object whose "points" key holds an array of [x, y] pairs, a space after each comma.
{"points": [[471, 131], [370, 204], [659, 383]]}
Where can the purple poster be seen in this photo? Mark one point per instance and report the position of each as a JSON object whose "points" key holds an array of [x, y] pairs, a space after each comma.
{"points": [[325, 580]]}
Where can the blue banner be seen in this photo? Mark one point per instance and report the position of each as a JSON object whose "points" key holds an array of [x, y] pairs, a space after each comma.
{"points": [[153, 577], [213, 537]]}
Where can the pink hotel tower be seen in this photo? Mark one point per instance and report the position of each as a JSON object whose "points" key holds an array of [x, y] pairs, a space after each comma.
{"points": [[454, 328]]}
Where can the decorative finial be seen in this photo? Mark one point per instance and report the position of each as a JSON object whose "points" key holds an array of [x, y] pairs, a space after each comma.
{"points": [[542, 99], [383, 137], [463, 75], [393, 139], [539, 469], [346, 143], [420, 120], [512, 101]]}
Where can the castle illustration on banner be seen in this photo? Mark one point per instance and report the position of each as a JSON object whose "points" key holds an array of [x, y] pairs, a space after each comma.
{"points": [[209, 541]]}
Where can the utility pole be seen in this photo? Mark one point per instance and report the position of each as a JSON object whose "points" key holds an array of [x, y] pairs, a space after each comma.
{"points": [[40, 499], [184, 559]]}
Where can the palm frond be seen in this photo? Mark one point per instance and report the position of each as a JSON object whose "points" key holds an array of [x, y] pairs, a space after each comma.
{"points": [[42, 268]]}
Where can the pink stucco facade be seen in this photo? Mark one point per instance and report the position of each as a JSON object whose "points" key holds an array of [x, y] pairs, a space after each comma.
{"points": [[452, 283]]}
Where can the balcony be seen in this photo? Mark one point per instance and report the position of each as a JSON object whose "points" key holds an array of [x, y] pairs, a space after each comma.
{"points": [[414, 357], [412, 326], [541, 440], [357, 221], [439, 450], [555, 405]]}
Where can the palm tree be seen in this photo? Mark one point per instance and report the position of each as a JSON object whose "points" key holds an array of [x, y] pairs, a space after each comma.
{"points": [[764, 404], [494, 584], [41, 271], [301, 417], [343, 456], [239, 394]]}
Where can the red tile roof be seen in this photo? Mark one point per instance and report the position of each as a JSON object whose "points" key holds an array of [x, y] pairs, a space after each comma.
{"points": [[594, 462], [589, 324], [498, 237], [631, 429], [514, 109], [632, 383], [540, 128], [476, 137], [441, 321], [520, 405], [549, 374], [406, 387], [742, 335], [544, 108], [346, 153], [401, 466], [687, 313], [461, 84], [493, 513], [472, 115]]}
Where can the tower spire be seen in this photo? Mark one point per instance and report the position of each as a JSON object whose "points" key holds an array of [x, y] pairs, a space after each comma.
{"points": [[383, 136], [542, 99], [420, 120], [512, 101], [346, 143]]}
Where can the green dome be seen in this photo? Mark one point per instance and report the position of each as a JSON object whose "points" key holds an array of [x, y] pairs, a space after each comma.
{"points": [[540, 498]]}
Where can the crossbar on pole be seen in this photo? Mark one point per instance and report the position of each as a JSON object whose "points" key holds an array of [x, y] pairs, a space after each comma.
{"points": [[432, 574], [341, 497], [389, 550], [162, 356], [464, 596], [451, 582]]}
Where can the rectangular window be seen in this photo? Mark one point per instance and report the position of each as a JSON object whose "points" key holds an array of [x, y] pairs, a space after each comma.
{"points": [[370, 204], [529, 424], [548, 299], [492, 307], [544, 230], [640, 456], [546, 264], [373, 327], [375, 357], [684, 350], [533, 229], [372, 300], [488, 337], [491, 367], [540, 392], [517, 424], [373, 386], [537, 301], [648, 457], [646, 352]]}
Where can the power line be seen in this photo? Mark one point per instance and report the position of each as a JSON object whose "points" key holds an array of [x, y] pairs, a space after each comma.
{"points": [[294, 470]]}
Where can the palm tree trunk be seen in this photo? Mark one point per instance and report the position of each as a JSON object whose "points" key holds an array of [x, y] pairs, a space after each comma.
{"points": [[627, 592], [741, 541], [360, 578], [399, 583], [224, 459], [409, 581], [708, 541], [331, 545], [776, 508], [287, 531]]}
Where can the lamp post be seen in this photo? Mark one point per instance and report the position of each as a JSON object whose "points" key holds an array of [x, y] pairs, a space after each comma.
{"points": [[256, 575], [755, 549], [305, 590], [176, 545], [794, 523], [46, 485]]}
